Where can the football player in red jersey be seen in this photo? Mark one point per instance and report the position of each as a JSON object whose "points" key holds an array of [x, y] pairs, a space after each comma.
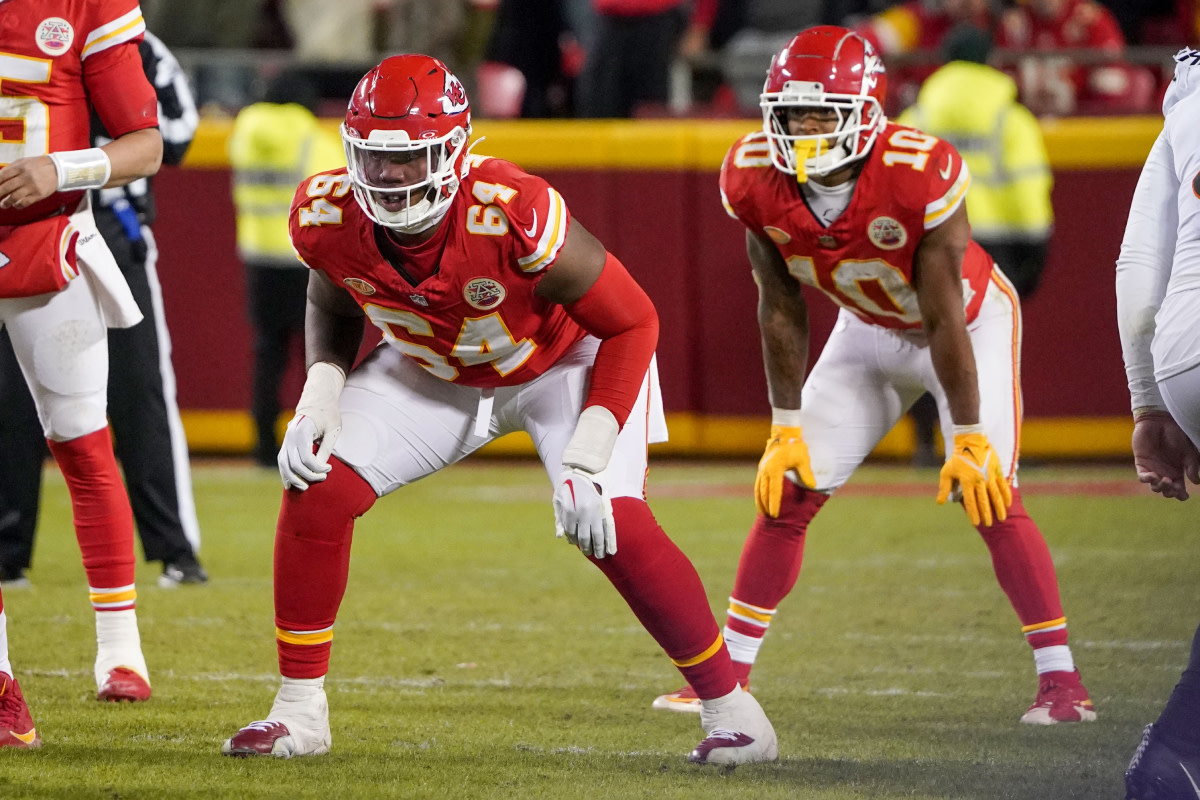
{"points": [[499, 313], [60, 287], [871, 214]]}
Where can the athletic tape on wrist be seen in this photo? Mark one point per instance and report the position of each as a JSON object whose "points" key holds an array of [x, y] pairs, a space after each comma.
{"points": [[81, 169], [324, 384], [785, 417], [592, 443], [967, 430]]}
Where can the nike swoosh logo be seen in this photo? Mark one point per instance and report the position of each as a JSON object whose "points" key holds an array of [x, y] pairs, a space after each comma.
{"points": [[945, 173], [28, 738], [532, 229], [1191, 780]]}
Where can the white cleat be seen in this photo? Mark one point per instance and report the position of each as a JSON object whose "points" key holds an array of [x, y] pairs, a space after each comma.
{"points": [[295, 727], [737, 732]]}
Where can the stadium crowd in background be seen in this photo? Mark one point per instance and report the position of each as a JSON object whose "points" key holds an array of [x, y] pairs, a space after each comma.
{"points": [[558, 58]]}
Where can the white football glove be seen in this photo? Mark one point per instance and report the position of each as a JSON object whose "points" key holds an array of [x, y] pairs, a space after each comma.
{"points": [[317, 419], [583, 513]]}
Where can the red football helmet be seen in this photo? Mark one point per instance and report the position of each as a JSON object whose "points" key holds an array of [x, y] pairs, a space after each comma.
{"points": [[408, 110], [825, 68]]}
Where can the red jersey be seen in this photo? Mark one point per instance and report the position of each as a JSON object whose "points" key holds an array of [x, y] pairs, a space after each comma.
{"points": [[475, 320], [56, 57], [910, 183]]}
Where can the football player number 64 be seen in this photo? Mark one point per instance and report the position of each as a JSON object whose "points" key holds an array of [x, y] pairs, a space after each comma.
{"points": [[481, 340]]}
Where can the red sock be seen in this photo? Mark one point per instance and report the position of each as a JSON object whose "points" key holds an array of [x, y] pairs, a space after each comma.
{"points": [[774, 549], [312, 560], [663, 590], [767, 571], [103, 519], [1025, 571]]}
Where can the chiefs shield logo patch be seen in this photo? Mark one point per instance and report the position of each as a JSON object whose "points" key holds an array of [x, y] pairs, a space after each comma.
{"points": [[54, 36], [359, 285], [887, 234], [483, 293]]}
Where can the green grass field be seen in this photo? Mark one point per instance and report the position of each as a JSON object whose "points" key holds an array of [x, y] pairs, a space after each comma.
{"points": [[476, 656]]}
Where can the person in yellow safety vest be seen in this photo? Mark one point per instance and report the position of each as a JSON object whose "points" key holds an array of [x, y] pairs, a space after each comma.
{"points": [[275, 144], [975, 108]]}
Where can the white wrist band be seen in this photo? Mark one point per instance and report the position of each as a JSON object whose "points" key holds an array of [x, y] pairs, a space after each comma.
{"points": [[785, 417], [81, 169], [967, 430], [592, 443]]}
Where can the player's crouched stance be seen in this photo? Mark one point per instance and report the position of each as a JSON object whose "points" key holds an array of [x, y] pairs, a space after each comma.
{"points": [[499, 313]]}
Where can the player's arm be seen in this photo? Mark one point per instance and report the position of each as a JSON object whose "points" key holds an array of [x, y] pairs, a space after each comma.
{"points": [[333, 324], [598, 293], [783, 327], [333, 330], [973, 467], [782, 323], [127, 105], [937, 271], [25, 181]]}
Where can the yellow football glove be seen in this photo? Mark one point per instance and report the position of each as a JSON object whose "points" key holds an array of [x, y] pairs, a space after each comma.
{"points": [[785, 450], [974, 470]]}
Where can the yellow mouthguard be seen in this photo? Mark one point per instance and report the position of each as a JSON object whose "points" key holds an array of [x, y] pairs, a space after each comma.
{"points": [[804, 150]]}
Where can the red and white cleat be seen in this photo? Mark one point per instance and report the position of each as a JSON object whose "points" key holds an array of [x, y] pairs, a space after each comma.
{"points": [[298, 725], [263, 738], [737, 732], [685, 700], [16, 724], [1061, 697], [123, 685]]}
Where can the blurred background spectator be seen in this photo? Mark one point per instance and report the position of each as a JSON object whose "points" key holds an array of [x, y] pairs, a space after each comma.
{"points": [[918, 27], [275, 144], [531, 59], [1088, 74], [630, 60]]}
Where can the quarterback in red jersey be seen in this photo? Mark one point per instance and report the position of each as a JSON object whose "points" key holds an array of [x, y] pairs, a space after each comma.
{"points": [[871, 214], [499, 313], [60, 287]]}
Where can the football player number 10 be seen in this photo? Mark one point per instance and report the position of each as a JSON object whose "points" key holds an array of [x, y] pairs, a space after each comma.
{"points": [[872, 286]]}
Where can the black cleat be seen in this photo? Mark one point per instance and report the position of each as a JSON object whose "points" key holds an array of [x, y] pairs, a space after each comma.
{"points": [[183, 570]]}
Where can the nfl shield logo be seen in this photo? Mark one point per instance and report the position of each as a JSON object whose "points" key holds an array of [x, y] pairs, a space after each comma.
{"points": [[54, 36]]}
